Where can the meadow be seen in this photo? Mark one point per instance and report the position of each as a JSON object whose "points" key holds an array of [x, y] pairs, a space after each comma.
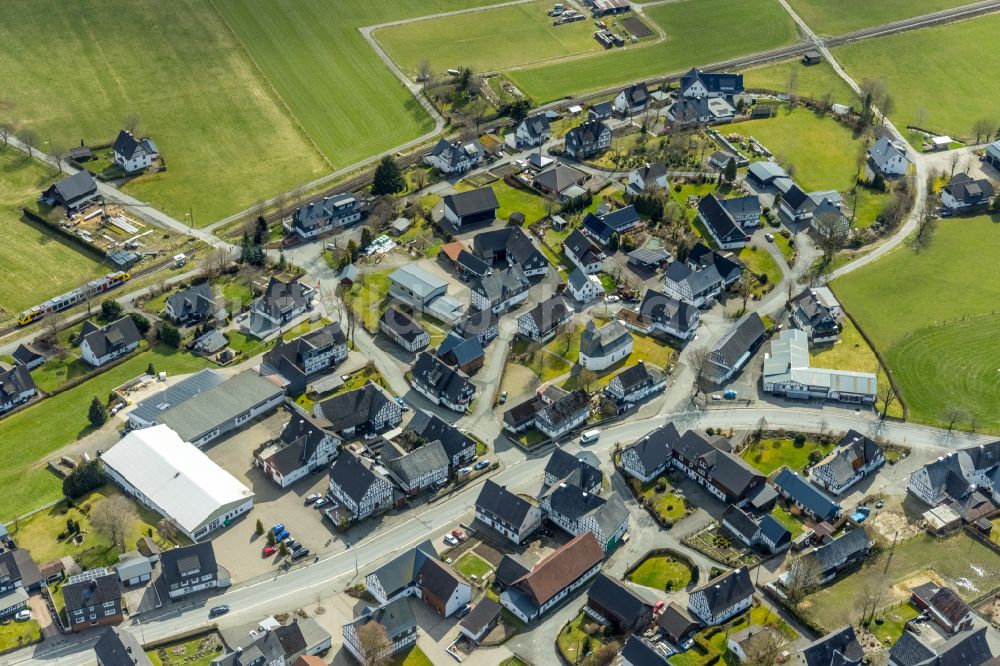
{"points": [[226, 137], [936, 326], [812, 81], [829, 18], [487, 40], [919, 71], [35, 263], [748, 25]]}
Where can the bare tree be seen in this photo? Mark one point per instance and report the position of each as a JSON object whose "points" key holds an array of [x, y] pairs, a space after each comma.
{"points": [[746, 285], [764, 648], [955, 414], [419, 178], [279, 203], [217, 261], [871, 93], [347, 298], [803, 577], [479, 107], [130, 123], [587, 379], [983, 128], [50, 331], [424, 72], [258, 211], [30, 140], [565, 336], [699, 363], [374, 644], [885, 393], [58, 153], [793, 85], [869, 598], [921, 117], [831, 233], [887, 106], [926, 224], [6, 131], [113, 518]]}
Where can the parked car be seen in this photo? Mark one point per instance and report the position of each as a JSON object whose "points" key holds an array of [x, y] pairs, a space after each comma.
{"points": [[299, 554], [216, 611], [482, 464], [450, 540], [729, 394], [268, 551], [282, 535], [23, 615], [459, 534], [613, 299], [322, 501], [277, 528], [769, 238], [290, 543], [312, 498], [369, 436], [658, 606], [463, 611], [402, 404], [716, 396], [503, 397], [464, 471]]}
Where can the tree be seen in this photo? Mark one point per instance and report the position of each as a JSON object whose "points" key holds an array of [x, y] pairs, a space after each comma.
{"points": [[613, 242], [869, 598], [347, 298], [747, 282], [283, 549], [58, 153], [259, 528], [564, 334], [6, 131], [764, 648], [730, 172], [113, 518], [803, 577], [955, 414], [587, 379], [374, 644], [151, 369], [140, 321], [30, 140], [130, 123], [424, 72], [603, 655], [98, 414], [517, 109], [831, 233], [926, 225], [479, 108], [983, 129], [217, 261], [388, 178], [85, 478], [169, 335], [699, 363], [270, 538], [366, 237], [111, 310]]}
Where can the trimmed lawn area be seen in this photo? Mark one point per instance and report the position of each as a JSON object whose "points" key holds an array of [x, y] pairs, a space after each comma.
{"points": [[644, 348], [823, 152], [227, 138], [414, 657], [936, 329], [788, 521], [662, 572], [760, 261], [359, 378], [16, 634], [963, 563], [771, 454], [470, 565], [574, 643], [35, 263], [513, 661], [489, 40], [813, 81], [236, 289], [749, 26], [249, 346], [370, 292], [25, 479], [667, 503], [848, 15], [889, 625], [785, 245], [197, 651], [39, 533], [556, 358], [512, 199], [917, 68]]}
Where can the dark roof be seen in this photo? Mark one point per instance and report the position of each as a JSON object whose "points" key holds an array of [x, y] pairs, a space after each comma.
{"points": [[536, 125], [806, 494], [638, 651], [564, 408], [437, 578], [293, 353], [353, 408], [587, 132], [735, 519], [561, 464], [471, 263], [437, 377], [432, 428], [637, 376], [797, 198], [968, 191], [402, 324], [949, 605], [726, 590], [728, 268], [742, 206], [744, 337], [476, 322], [395, 616], [14, 381], [655, 447], [523, 412], [560, 568], [510, 569], [456, 349], [549, 313], [572, 501], [582, 248], [677, 622], [117, 647], [908, 650], [774, 531], [658, 307], [720, 82], [77, 186], [25, 354], [417, 463], [502, 285], [621, 218], [116, 335], [455, 153], [127, 145], [196, 300], [637, 94], [964, 649], [402, 571], [719, 220], [353, 476], [698, 280], [614, 598], [558, 177], [597, 342], [481, 616], [724, 468], [176, 561], [472, 202], [301, 437], [92, 592], [842, 550], [496, 500], [841, 648], [597, 228], [336, 207]]}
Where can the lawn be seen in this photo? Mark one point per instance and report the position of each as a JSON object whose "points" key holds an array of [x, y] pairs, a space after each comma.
{"points": [[511, 199], [942, 355], [785, 245], [248, 345], [26, 480], [770, 454], [811, 81], [35, 263], [39, 533], [644, 348], [822, 152], [963, 563], [718, 640], [236, 290], [197, 651], [489, 40], [574, 643], [471, 565], [369, 293], [668, 504], [14, 634], [413, 657], [556, 358], [760, 262], [844, 16], [662, 572], [788, 521], [227, 139], [750, 26], [918, 69]]}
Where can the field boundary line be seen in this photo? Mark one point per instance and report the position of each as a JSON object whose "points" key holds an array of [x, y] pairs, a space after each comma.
{"points": [[881, 361]]}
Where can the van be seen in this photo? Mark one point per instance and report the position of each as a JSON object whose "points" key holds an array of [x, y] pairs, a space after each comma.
{"points": [[590, 436]]}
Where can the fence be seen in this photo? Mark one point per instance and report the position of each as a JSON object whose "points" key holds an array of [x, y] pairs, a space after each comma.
{"points": [[65, 233]]}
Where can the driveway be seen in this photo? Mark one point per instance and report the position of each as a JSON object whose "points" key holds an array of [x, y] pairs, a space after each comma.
{"points": [[40, 613]]}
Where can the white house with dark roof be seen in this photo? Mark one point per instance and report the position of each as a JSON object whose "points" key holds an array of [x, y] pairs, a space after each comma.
{"points": [[500, 290], [477, 206], [459, 447], [133, 154], [507, 247], [582, 470], [402, 329], [118, 647], [541, 322], [449, 158], [887, 157], [327, 214], [963, 193], [702, 278], [303, 446], [298, 359], [588, 139], [366, 409], [661, 313], [361, 486], [632, 100], [417, 470], [736, 347], [100, 346], [484, 325], [440, 384], [418, 572], [561, 180], [600, 348], [585, 255], [398, 621], [511, 515], [281, 302], [855, 457], [696, 83], [16, 386], [839, 647], [192, 305], [77, 191], [578, 511], [584, 288], [636, 383], [650, 455], [817, 312], [648, 177], [720, 224], [722, 597], [559, 417], [190, 569], [28, 355], [744, 210], [532, 131]]}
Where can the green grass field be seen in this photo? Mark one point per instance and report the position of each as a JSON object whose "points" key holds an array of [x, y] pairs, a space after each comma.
{"points": [[534, 206], [28, 437], [813, 81], [788, 521], [470, 565], [749, 26], [226, 137], [196, 651], [662, 572], [14, 634], [837, 18], [918, 69], [35, 263], [489, 40], [769, 455]]}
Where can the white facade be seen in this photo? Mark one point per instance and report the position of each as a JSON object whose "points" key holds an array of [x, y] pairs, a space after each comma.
{"points": [[532, 519], [698, 605], [321, 456], [606, 361], [638, 183], [378, 496], [589, 269], [88, 355], [588, 291]]}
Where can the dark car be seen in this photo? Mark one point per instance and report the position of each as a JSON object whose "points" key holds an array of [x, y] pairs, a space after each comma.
{"points": [[299, 554], [463, 611], [216, 611]]}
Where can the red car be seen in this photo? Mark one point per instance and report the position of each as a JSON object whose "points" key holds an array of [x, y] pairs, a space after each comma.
{"points": [[658, 606], [268, 551], [459, 534]]}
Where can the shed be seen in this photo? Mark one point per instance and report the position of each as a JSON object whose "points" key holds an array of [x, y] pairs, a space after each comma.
{"points": [[812, 58], [133, 569], [400, 225]]}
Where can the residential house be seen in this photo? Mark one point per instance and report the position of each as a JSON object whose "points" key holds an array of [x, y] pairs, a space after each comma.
{"points": [[649, 257], [686, 112], [132, 154], [415, 286], [521, 416], [833, 557], [558, 418], [787, 373], [465, 209], [282, 302], [481, 620], [362, 487], [818, 313], [543, 320], [449, 158], [625, 610], [955, 476], [315, 352], [840, 647], [741, 643], [76, 192], [532, 131], [118, 647], [965, 648], [562, 181], [741, 526], [638, 652], [650, 455], [648, 177], [508, 247], [773, 535], [100, 346], [696, 83], [720, 159], [366, 409], [677, 624], [554, 578], [702, 278], [745, 211], [418, 572], [510, 569], [402, 329], [511, 515], [189, 569], [16, 387], [13, 584], [192, 305], [887, 158], [327, 214], [301, 640], [465, 355], [722, 597], [581, 471], [963, 194], [636, 383], [442, 385], [720, 224], [398, 621], [416, 470], [945, 607], [584, 254], [661, 313], [459, 447], [602, 226], [304, 446], [588, 139], [632, 100], [584, 288], [600, 348], [855, 457], [92, 599], [808, 498], [500, 290], [578, 511], [737, 346], [481, 325], [28, 355]]}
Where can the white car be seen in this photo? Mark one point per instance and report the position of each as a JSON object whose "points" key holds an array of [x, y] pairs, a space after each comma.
{"points": [[450, 540], [769, 238], [613, 299], [23, 615]]}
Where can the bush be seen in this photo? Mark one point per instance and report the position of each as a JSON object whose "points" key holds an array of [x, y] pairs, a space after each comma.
{"points": [[169, 335], [82, 480], [98, 413], [799, 440], [141, 322], [110, 310], [709, 431]]}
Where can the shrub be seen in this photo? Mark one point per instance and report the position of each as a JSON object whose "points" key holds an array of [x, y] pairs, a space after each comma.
{"points": [[82, 480], [710, 431], [800, 439]]}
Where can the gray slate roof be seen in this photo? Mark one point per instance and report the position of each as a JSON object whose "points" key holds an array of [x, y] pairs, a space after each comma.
{"points": [[806, 494], [117, 647], [840, 648], [496, 500], [660, 308], [116, 335], [611, 337], [472, 202], [419, 462], [726, 590]]}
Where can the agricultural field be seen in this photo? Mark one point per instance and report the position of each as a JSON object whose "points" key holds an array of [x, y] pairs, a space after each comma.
{"points": [[749, 26], [918, 70], [35, 263], [827, 18], [936, 328], [812, 81], [488, 40], [226, 137]]}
